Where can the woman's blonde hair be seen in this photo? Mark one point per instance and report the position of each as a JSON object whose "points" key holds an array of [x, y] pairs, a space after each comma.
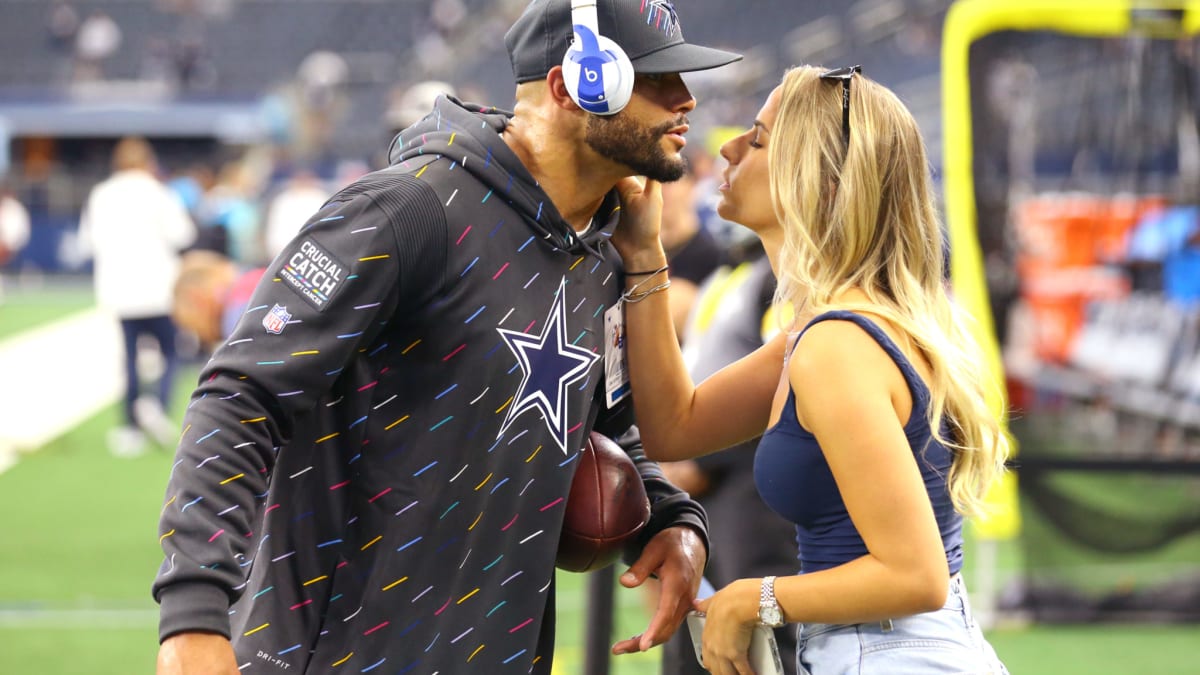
{"points": [[863, 216]]}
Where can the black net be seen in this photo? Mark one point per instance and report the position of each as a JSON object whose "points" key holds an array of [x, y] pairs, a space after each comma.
{"points": [[1087, 171]]}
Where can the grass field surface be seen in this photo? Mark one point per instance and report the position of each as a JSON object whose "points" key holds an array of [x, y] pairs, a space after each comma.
{"points": [[80, 550], [25, 308]]}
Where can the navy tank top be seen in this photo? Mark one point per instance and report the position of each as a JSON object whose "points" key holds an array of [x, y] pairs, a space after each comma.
{"points": [[794, 479]]}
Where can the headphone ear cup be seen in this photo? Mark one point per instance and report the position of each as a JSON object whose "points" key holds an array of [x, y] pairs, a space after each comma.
{"points": [[619, 89], [599, 79]]}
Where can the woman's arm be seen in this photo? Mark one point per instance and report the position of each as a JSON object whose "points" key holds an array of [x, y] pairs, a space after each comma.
{"points": [[852, 397], [679, 420]]}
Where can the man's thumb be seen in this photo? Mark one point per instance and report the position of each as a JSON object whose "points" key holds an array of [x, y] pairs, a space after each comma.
{"points": [[633, 577]]}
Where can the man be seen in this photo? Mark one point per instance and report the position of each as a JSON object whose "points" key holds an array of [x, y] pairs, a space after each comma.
{"points": [[301, 195], [134, 227], [375, 465], [14, 228]]}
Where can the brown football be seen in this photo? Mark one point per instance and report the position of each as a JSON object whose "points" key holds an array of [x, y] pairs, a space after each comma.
{"points": [[606, 508]]}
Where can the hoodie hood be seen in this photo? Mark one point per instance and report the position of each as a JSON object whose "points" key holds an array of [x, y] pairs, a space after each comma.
{"points": [[469, 135]]}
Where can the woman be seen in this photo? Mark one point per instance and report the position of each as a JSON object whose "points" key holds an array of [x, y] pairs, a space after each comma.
{"points": [[878, 436]]}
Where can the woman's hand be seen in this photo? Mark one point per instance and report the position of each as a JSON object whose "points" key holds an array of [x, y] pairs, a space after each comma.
{"points": [[730, 616], [636, 236]]}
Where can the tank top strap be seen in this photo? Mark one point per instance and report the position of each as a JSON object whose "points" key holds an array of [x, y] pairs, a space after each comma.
{"points": [[916, 386]]}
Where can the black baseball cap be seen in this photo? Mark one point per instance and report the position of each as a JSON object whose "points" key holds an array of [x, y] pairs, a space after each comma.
{"points": [[647, 30]]}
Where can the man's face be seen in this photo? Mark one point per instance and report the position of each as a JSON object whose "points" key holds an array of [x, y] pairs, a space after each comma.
{"points": [[647, 136]]}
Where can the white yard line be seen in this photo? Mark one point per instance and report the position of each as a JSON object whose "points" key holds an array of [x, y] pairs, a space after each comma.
{"points": [[54, 377], [92, 619]]}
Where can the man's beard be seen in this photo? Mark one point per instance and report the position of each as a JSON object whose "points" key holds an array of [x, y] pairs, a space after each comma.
{"points": [[624, 141]]}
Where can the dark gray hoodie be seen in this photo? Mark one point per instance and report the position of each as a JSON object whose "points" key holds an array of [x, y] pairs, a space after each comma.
{"points": [[374, 466]]}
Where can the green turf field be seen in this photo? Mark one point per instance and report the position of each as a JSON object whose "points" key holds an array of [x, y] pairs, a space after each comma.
{"points": [[80, 549], [25, 308]]}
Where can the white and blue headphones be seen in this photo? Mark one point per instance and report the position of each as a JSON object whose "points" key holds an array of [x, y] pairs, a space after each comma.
{"points": [[597, 73]]}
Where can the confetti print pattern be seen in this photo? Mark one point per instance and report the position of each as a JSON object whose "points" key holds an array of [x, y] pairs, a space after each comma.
{"points": [[383, 489]]}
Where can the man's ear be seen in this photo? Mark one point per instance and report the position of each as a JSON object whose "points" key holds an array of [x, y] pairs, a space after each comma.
{"points": [[557, 87]]}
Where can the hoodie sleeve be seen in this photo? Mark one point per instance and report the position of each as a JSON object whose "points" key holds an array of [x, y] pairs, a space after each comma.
{"points": [[321, 301], [669, 506]]}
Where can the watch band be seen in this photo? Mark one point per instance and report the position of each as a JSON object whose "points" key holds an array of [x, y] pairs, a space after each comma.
{"points": [[766, 595], [769, 611]]}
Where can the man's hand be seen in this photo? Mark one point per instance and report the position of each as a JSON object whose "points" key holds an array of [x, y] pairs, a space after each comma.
{"points": [[677, 557], [196, 654]]}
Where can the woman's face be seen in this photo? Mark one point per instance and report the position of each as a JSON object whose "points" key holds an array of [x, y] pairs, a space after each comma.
{"points": [[746, 190]]}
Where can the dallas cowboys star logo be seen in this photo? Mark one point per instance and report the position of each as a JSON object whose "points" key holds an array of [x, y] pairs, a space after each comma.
{"points": [[549, 365]]}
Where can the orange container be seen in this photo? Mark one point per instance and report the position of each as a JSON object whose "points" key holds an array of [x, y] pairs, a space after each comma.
{"points": [[1057, 298], [1058, 228], [1117, 220], [1057, 321]]}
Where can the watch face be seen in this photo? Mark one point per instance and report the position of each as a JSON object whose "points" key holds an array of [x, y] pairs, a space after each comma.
{"points": [[770, 616]]}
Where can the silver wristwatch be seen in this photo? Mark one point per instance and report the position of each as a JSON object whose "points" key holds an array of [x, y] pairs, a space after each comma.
{"points": [[769, 611]]}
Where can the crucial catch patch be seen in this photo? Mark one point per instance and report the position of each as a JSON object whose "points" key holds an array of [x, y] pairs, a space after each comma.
{"points": [[313, 273]]}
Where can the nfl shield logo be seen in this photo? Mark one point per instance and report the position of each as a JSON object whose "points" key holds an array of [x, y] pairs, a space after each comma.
{"points": [[276, 319]]}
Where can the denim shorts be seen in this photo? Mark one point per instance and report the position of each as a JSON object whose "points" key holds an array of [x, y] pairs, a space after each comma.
{"points": [[944, 641]]}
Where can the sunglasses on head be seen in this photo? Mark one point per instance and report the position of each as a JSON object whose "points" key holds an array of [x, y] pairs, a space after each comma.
{"points": [[844, 74]]}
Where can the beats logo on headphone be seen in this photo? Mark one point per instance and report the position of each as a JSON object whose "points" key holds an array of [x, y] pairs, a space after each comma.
{"points": [[597, 73]]}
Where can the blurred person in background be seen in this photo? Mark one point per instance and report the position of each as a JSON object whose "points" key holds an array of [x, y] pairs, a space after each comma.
{"points": [[14, 228], [62, 24], [692, 252], [301, 196], [702, 167], [321, 102], [97, 40], [735, 240], [211, 294], [407, 105], [877, 436], [388, 433], [191, 184], [230, 212], [134, 228]]}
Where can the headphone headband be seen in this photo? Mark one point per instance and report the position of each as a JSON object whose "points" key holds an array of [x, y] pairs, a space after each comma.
{"points": [[583, 13], [597, 73]]}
